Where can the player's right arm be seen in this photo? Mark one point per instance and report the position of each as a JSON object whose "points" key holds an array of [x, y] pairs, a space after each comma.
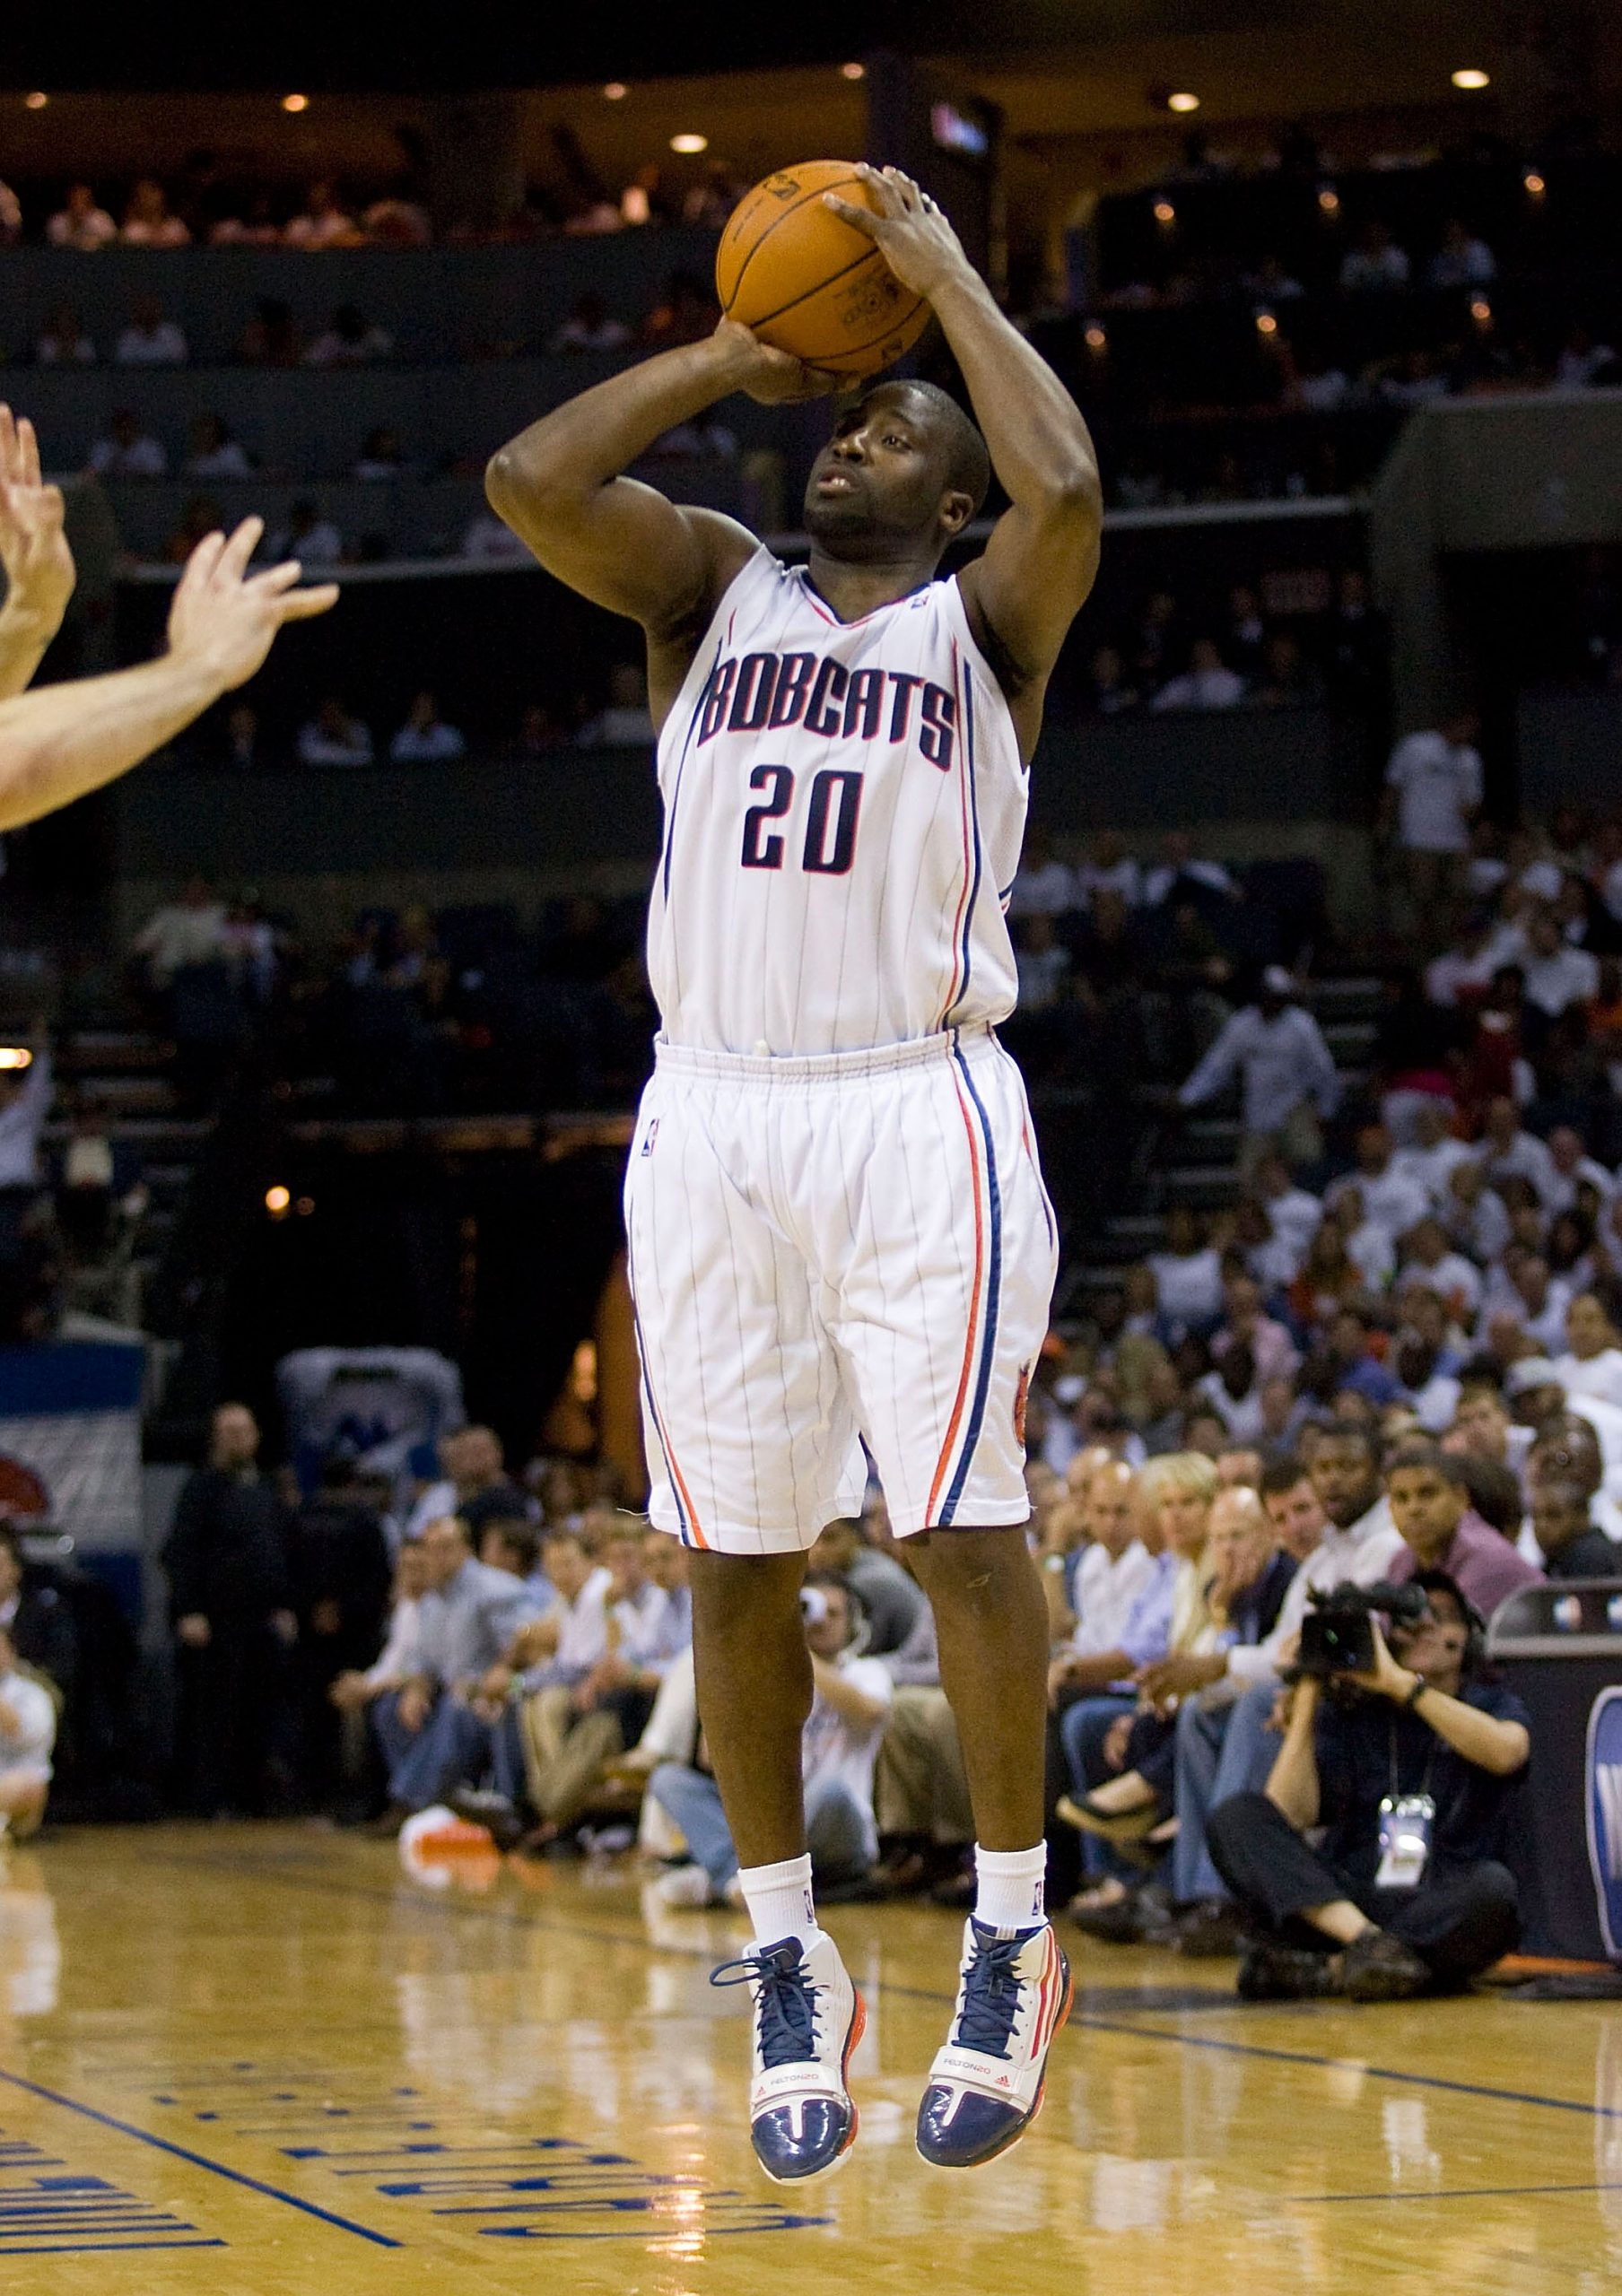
{"points": [[64, 740], [559, 486]]}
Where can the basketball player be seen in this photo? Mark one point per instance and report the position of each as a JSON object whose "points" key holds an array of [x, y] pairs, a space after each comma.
{"points": [[838, 1229], [67, 739]]}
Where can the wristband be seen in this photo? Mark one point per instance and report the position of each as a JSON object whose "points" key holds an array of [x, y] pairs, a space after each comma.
{"points": [[1412, 1699]]}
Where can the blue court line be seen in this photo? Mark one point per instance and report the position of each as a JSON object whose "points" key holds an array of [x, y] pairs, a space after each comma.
{"points": [[333, 1886], [198, 2160]]}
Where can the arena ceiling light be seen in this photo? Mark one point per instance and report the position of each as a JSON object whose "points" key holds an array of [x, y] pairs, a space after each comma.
{"points": [[1182, 99], [276, 1201], [1470, 75], [690, 141], [295, 103], [852, 71], [36, 100], [1166, 215], [616, 90]]}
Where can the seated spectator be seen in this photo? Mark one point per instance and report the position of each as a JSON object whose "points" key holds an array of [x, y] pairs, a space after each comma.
{"points": [[200, 515], [80, 224], [1044, 965], [1553, 975], [486, 537], [124, 450], [1110, 870], [1462, 260], [150, 340], [1043, 885], [63, 342], [1182, 871], [1413, 379], [685, 313], [349, 339], [1208, 684], [590, 326], [321, 223], [1380, 1911], [625, 722], [1508, 1152], [309, 536], [840, 1749], [1570, 1543], [1441, 1531], [1583, 364], [1188, 1275], [212, 453], [334, 737], [147, 220], [397, 223], [270, 338], [1108, 690], [1392, 1200], [1592, 1364], [893, 1602], [353, 1691], [1375, 265], [188, 930], [381, 456], [1451, 1278], [1288, 680], [425, 739], [27, 1736]]}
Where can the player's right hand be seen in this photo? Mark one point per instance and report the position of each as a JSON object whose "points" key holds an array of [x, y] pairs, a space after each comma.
{"points": [[774, 378], [225, 619], [38, 563]]}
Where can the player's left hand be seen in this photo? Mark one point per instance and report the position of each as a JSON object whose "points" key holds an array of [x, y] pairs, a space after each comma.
{"points": [[33, 548], [910, 232]]}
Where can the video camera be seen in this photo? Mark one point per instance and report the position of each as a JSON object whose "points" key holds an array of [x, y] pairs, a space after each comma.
{"points": [[1338, 1632]]}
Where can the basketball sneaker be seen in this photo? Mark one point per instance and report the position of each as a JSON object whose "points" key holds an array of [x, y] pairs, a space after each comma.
{"points": [[985, 2086], [809, 2018]]}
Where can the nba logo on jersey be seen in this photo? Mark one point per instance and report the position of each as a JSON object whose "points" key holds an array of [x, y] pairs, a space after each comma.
{"points": [[652, 1136]]}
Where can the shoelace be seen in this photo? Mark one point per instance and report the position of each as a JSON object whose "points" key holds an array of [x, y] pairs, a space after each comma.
{"points": [[991, 1997], [785, 2006]]}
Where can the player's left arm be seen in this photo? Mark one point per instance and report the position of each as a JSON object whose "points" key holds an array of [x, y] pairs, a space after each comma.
{"points": [[1042, 554], [34, 556]]}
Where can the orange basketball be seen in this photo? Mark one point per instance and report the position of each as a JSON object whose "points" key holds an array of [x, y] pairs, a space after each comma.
{"points": [[808, 282]]}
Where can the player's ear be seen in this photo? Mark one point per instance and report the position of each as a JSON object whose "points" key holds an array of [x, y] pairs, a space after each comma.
{"points": [[956, 510]]}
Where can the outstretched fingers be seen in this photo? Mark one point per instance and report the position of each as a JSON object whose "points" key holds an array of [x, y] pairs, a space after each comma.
{"points": [[28, 453], [240, 549], [299, 605]]}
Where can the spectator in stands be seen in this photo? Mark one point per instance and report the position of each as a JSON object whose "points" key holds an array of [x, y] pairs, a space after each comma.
{"points": [[321, 223], [341, 1578], [200, 515], [425, 739], [1592, 1364], [486, 537], [1288, 1075], [11, 216], [309, 535], [335, 736], [684, 313], [188, 930], [63, 342], [624, 721], [125, 450], [1553, 975], [1572, 1547], [1432, 793], [1043, 885], [1207, 683], [1182, 871], [212, 453], [1288, 680], [1508, 1152], [80, 223], [1110, 870], [1109, 692], [1583, 364], [349, 339], [1463, 260], [1408, 1915], [1188, 1275], [230, 1594], [1430, 1499], [150, 340], [147, 220], [1375, 265], [380, 456], [893, 1602], [28, 1736], [839, 1748], [590, 326], [270, 338]]}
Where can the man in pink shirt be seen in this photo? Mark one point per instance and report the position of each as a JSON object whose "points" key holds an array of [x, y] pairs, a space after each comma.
{"points": [[1441, 1531]]}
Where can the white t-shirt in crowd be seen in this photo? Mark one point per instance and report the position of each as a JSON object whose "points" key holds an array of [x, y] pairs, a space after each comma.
{"points": [[1438, 785], [1126, 878], [1188, 1288], [834, 1751], [1105, 1589], [25, 1751], [1600, 1376], [1048, 892], [1570, 977]]}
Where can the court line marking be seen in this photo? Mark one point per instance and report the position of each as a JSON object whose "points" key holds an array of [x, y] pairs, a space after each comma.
{"points": [[1460, 2192], [198, 2160], [335, 1886]]}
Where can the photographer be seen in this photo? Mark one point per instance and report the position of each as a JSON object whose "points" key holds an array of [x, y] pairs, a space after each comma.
{"points": [[1408, 1769]]}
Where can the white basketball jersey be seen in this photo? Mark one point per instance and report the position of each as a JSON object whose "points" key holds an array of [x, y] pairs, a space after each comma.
{"points": [[844, 805]]}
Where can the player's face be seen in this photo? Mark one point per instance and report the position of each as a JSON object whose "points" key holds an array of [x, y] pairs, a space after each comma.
{"points": [[880, 479]]}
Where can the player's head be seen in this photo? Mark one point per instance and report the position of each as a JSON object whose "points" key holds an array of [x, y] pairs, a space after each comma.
{"points": [[904, 470]]}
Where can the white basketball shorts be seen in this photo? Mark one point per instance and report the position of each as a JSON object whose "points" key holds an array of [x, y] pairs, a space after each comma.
{"points": [[858, 1246]]}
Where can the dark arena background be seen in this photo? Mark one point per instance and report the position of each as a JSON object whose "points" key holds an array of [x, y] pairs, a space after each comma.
{"points": [[322, 1034]]}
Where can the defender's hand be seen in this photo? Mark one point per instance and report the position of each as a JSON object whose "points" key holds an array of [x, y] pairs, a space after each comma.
{"points": [[774, 378], [912, 233], [38, 563], [224, 619]]}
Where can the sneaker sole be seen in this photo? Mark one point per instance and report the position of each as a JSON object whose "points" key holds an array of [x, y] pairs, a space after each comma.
{"points": [[1006, 2144], [858, 2026]]}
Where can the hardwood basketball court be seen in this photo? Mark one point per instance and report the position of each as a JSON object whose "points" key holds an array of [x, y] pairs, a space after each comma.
{"points": [[250, 2061]]}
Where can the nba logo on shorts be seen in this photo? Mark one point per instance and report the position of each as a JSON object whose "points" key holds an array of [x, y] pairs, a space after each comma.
{"points": [[1603, 1777], [652, 1136]]}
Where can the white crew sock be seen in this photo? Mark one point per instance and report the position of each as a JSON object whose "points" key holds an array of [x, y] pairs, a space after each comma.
{"points": [[1010, 1892], [778, 1899]]}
